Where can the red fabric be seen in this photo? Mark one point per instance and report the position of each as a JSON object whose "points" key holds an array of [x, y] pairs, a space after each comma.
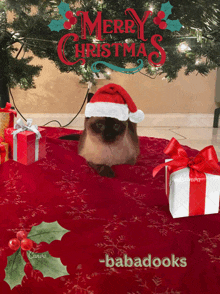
{"points": [[128, 214], [26, 145], [114, 94]]}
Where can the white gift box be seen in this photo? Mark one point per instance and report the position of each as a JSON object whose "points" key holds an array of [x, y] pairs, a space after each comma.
{"points": [[178, 187]]}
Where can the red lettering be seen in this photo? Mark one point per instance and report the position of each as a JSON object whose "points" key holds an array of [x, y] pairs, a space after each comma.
{"points": [[128, 49], [161, 50], [86, 23], [61, 47], [108, 52], [105, 26], [117, 28], [90, 50], [117, 48], [129, 27], [139, 23], [77, 50], [142, 50]]}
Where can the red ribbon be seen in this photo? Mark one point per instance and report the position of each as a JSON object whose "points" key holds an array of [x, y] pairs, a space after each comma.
{"points": [[2, 153], [206, 161], [8, 109]]}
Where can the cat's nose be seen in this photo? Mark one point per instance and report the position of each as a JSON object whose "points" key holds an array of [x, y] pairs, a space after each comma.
{"points": [[108, 137]]}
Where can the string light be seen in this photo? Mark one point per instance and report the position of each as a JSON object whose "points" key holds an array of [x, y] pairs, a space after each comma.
{"points": [[99, 77], [183, 47], [128, 41], [151, 8]]}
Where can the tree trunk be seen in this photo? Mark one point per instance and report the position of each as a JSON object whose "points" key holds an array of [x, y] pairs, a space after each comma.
{"points": [[217, 88], [4, 95]]}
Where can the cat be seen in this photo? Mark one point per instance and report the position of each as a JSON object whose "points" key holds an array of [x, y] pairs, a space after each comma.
{"points": [[107, 141]]}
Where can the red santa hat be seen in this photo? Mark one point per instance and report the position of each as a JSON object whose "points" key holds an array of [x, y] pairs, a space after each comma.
{"points": [[113, 101]]}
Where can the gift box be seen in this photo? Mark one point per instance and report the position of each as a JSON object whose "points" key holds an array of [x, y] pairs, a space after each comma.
{"points": [[4, 150], [27, 144], [6, 119], [192, 184]]}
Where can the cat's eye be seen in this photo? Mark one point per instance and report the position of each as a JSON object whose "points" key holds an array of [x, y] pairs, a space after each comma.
{"points": [[100, 126], [116, 127]]}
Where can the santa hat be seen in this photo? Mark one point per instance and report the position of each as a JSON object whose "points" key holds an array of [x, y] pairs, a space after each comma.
{"points": [[113, 101]]}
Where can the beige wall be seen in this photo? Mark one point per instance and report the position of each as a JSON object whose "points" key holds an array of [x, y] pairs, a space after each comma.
{"points": [[61, 92]]}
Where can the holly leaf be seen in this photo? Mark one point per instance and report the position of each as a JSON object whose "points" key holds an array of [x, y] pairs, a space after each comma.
{"points": [[173, 25], [47, 232], [14, 271], [49, 266], [63, 8], [166, 8], [56, 25]]}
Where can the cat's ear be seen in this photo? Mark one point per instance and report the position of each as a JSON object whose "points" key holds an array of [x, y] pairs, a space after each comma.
{"points": [[90, 95]]}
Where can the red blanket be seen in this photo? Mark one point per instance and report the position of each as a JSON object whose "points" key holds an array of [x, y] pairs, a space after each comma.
{"points": [[126, 215]]}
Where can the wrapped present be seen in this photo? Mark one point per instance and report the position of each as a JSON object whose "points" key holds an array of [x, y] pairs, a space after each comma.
{"points": [[27, 143], [192, 184], [3, 152], [6, 119]]}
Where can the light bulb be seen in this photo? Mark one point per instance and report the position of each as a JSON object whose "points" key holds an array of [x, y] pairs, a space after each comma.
{"points": [[183, 47], [151, 8]]}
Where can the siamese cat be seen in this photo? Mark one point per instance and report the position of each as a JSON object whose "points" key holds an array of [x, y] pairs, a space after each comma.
{"points": [[107, 141]]}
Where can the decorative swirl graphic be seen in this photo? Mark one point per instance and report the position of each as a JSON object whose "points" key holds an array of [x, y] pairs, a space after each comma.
{"points": [[120, 69]]}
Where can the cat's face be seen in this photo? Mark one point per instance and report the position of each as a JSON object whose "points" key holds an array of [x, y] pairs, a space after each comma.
{"points": [[107, 129]]}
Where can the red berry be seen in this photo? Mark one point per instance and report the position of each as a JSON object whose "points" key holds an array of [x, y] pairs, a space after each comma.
{"points": [[21, 235], [157, 20], [67, 25], [161, 14], [69, 14], [26, 244], [73, 20], [163, 25], [14, 244]]}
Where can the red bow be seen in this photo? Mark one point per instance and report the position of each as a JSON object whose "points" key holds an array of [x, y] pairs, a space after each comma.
{"points": [[8, 109], [206, 161]]}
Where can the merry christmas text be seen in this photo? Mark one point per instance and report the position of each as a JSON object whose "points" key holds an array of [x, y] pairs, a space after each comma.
{"points": [[105, 49]]}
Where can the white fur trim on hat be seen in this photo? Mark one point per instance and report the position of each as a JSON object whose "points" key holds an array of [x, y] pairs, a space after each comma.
{"points": [[137, 116], [107, 109]]}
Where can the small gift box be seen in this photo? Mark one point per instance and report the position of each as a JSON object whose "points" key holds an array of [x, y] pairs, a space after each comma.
{"points": [[3, 152], [27, 143], [6, 119], [192, 184]]}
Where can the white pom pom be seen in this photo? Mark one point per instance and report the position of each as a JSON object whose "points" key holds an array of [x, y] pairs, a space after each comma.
{"points": [[137, 116]]}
